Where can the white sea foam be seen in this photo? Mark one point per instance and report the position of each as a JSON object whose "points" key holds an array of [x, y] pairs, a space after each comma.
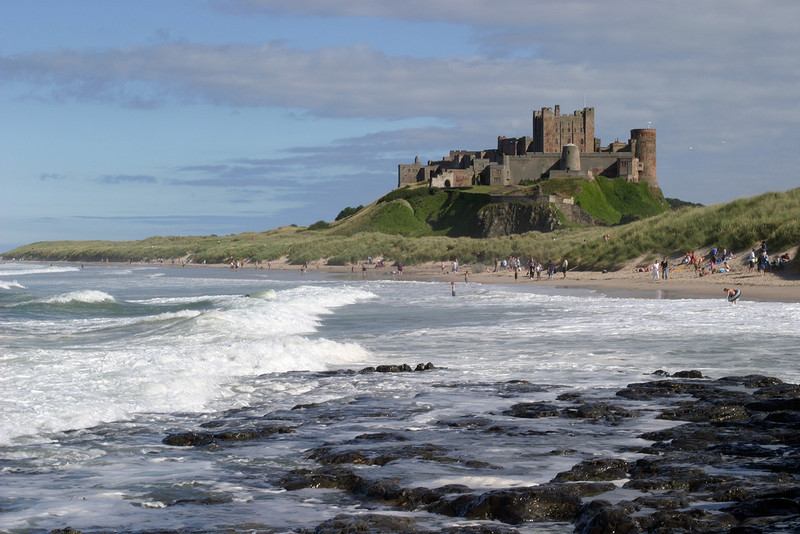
{"points": [[87, 296], [10, 285], [25, 269], [191, 366]]}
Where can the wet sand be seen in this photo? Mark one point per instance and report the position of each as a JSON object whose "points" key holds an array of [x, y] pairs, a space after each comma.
{"points": [[683, 282], [783, 286]]}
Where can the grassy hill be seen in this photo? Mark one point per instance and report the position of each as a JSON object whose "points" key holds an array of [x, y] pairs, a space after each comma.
{"points": [[422, 211], [419, 225]]}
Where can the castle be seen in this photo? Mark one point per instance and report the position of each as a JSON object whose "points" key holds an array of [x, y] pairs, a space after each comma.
{"points": [[561, 146]]}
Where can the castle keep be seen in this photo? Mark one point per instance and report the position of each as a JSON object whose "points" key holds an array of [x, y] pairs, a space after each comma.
{"points": [[561, 146]]}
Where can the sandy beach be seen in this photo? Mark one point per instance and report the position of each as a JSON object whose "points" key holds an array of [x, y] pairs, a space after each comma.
{"points": [[783, 286], [778, 287], [683, 282]]}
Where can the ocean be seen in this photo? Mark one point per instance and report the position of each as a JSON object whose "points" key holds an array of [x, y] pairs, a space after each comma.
{"points": [[100, 363]]}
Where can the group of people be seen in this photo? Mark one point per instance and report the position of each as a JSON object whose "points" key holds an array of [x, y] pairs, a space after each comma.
{"points": [[660, 269], [535, 268], [759, 258], [717, 262]]}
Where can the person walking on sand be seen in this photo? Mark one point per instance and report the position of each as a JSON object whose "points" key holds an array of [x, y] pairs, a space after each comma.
{"points": [[654, 268], [564, 265]]}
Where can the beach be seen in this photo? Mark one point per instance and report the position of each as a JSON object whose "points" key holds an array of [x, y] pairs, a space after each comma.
{"points": [[683, 282], [150, 397]]}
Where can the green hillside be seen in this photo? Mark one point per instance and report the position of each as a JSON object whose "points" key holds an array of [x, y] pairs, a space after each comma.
{"points": [[404, 226], [420, 211], [609, 200]]}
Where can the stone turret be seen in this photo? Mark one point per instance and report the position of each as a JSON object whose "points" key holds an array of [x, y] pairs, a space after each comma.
{"points": [[571, 157], [643, 141]]}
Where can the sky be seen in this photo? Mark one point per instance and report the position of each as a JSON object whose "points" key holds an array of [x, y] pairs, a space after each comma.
{"points": [[124, 119]]}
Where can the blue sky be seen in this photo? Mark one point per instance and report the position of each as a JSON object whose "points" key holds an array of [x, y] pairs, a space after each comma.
{"points": [[126, 119]]}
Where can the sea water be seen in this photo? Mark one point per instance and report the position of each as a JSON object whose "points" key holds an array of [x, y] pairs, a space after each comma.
{"points": [[99, 363]]}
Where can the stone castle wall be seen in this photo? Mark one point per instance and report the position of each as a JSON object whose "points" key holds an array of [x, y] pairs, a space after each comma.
{"points": [[531, 158]]}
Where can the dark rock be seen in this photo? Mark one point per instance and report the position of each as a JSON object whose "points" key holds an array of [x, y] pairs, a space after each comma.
{"points": [[402, 368], [465, 422], [784, 418], [780, 390], [329, 455], [662, 501], [688, 374], [662, 388], [201, 439], [604, 469], [497, 220], [66, 530], [751, 381], [707, 411], [533, 410], [689, 437], [673, 475], [607, 412], [514, 505], [775, 405], [601, 517], [393, 368], [370, 523], [692, 520], [776, 506], [739, 449]]}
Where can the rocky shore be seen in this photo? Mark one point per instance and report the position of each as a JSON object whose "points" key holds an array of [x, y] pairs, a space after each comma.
{"points": [[728, 464]]}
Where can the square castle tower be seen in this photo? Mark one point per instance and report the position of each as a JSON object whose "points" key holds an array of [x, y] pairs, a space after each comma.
{"points": [[561, 146]]}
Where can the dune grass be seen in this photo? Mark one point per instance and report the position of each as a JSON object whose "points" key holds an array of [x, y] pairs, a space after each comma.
{"points": [[737, 225]]}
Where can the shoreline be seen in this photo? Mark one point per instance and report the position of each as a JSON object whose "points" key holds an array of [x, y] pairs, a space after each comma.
{"points": [[683, 283], [781, 287]]}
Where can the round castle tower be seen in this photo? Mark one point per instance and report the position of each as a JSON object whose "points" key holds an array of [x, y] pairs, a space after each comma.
{"points": [[645, 152], [571, 157]]}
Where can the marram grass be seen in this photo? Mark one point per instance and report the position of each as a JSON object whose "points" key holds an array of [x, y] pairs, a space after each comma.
{"points": [[737, 225]]}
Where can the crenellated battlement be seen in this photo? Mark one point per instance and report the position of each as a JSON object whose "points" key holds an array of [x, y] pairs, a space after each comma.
{"points": [[561, 146]]}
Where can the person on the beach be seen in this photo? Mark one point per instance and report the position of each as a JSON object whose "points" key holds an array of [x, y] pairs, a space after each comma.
{"points": [[550, 268], [453, 288], [466, 277], [732, 295], [655, 268], [763, 262], [664, 269], [751, 261], [564, 265]]}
